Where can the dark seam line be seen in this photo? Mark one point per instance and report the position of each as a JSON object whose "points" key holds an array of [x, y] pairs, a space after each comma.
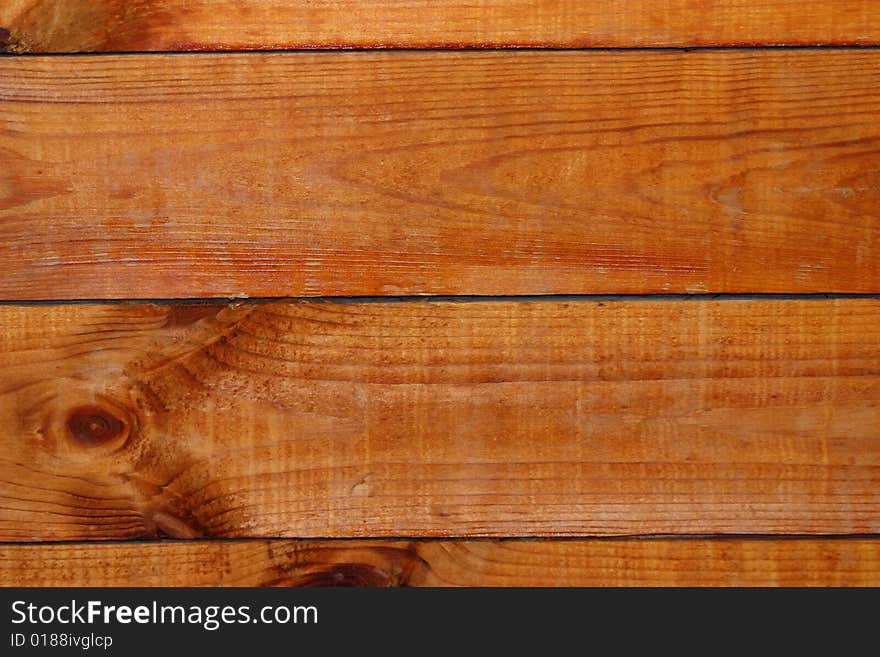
{"points": [[463, 539], [537, 298], [470, 48]]}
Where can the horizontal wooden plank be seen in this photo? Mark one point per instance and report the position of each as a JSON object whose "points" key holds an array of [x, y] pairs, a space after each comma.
{"points": [[301, 174], [439, 419], [143, 25], [616, 562]]}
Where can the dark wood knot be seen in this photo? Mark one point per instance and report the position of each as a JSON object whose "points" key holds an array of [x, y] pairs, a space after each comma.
{"points": [[342, 575], [91, 426]]}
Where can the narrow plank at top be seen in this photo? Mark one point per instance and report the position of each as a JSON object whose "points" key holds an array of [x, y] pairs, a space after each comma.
{"points": [[320, 174], [157, 25]]}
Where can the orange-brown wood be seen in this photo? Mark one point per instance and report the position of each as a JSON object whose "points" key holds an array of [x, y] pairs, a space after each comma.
{"points": [[677, 562], [439, 173], [439, 419], [120, 25]]}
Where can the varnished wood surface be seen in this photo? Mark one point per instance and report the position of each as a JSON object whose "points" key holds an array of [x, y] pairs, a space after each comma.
{"points": [[266, 175], [439, 419], [654, 562], [139, 25]]}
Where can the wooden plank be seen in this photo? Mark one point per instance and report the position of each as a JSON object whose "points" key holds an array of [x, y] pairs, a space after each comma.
{"points": [[439, 419], [655, 562], [143, 25], [440, 173]]}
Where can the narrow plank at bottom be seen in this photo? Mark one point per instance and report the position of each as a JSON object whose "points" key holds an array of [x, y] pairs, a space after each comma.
{"points": [[439, 419], [615, 562]]}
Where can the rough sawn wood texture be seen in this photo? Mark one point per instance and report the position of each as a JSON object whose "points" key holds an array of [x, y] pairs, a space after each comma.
{"points": [[387, 444], [439, 419], [505, 173], [643, 562], [139, 25]]}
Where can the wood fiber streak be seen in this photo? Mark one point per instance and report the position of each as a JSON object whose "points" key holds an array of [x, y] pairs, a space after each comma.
{"points": [[439, 419], [144, 25], [655, 562], [325, 174]]}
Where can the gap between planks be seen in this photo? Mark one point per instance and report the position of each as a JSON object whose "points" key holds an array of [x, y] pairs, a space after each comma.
{"points": [[534, 298], [591, 538], [474, 50]]}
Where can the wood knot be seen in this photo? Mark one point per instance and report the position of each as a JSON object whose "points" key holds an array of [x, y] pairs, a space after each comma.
{"points": [[167, 525], [92, 426], [342, 575]]}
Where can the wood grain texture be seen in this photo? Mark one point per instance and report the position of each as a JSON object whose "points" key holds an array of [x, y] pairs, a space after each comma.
{"points": [[143, 25], [439, 419], [439, 173], [655, 562]]}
